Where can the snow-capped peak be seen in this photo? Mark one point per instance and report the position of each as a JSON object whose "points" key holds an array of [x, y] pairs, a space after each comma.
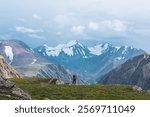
{"points": [[76, 49], [34, 61], [98, 49], [54, 51], [105, 45], [71, 48], [117, 47], [71, 43], [46, 46]]}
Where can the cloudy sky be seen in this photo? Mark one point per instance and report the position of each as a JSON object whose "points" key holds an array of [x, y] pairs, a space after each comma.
{"points": [[120, 22]]}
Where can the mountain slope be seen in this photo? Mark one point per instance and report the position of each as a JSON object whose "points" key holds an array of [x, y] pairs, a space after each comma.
{"points": [[17, 53], [88, 62], [135, 71], [56, 71], [47, 70]]}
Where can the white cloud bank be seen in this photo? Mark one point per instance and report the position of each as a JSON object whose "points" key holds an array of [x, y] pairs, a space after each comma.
{"points": [[36, 16], [35, 36], [114, 25], [27, 30], [78, 29], [93, 26]]}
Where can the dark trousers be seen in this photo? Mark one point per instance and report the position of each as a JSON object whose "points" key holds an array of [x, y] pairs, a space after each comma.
{"points": [[74, 81]]}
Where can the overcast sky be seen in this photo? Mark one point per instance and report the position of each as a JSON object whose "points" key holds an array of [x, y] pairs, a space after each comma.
{"points": [[57, 21]]}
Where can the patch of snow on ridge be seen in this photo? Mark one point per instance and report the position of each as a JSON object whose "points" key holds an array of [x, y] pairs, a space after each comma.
{"points": [[34, 60], [125, 50], [96, 50], [119, 58], [66, 48], [9, 53], [68, 51], [106, 46], [46, 46], [117, 47], [54, 51]]}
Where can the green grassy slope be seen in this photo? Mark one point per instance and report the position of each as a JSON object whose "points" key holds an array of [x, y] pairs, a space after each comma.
{"points": [[40, 89], [6, 96]]}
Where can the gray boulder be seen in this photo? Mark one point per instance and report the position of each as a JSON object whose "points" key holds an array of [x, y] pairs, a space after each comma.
{"points": [[10, 89], [56, 81]]}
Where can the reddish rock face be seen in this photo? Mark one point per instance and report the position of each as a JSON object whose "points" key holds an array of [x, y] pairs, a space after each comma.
{"points": [[17, 53]]}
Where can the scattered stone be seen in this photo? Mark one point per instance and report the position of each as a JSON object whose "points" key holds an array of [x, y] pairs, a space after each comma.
{"points": [[8, 96], [137, 88], [56, 81], [46, 99], [19, 92]]}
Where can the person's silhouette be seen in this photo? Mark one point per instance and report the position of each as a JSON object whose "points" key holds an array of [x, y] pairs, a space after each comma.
{"points": [[74, 79]]}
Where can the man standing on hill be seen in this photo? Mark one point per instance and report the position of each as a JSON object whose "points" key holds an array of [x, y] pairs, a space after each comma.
{"points": [[74, 79]]}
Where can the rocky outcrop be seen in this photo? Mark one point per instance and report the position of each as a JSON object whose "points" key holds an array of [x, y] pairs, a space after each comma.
{"points": [[6, 71], [137, 88], [135, 72], [10, 89]]}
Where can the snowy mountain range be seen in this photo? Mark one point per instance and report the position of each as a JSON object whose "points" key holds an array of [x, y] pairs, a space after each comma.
{"points": [[71, 49], [74, 48], [89, 62]]}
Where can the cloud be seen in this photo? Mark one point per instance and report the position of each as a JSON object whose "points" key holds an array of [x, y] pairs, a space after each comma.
{"points": [[61, 19], [78, 29], [114, 25], [35, 36], [27, 30], [93, 26], [59, 33], [140, 31], [36, 16], [119, 26]]}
